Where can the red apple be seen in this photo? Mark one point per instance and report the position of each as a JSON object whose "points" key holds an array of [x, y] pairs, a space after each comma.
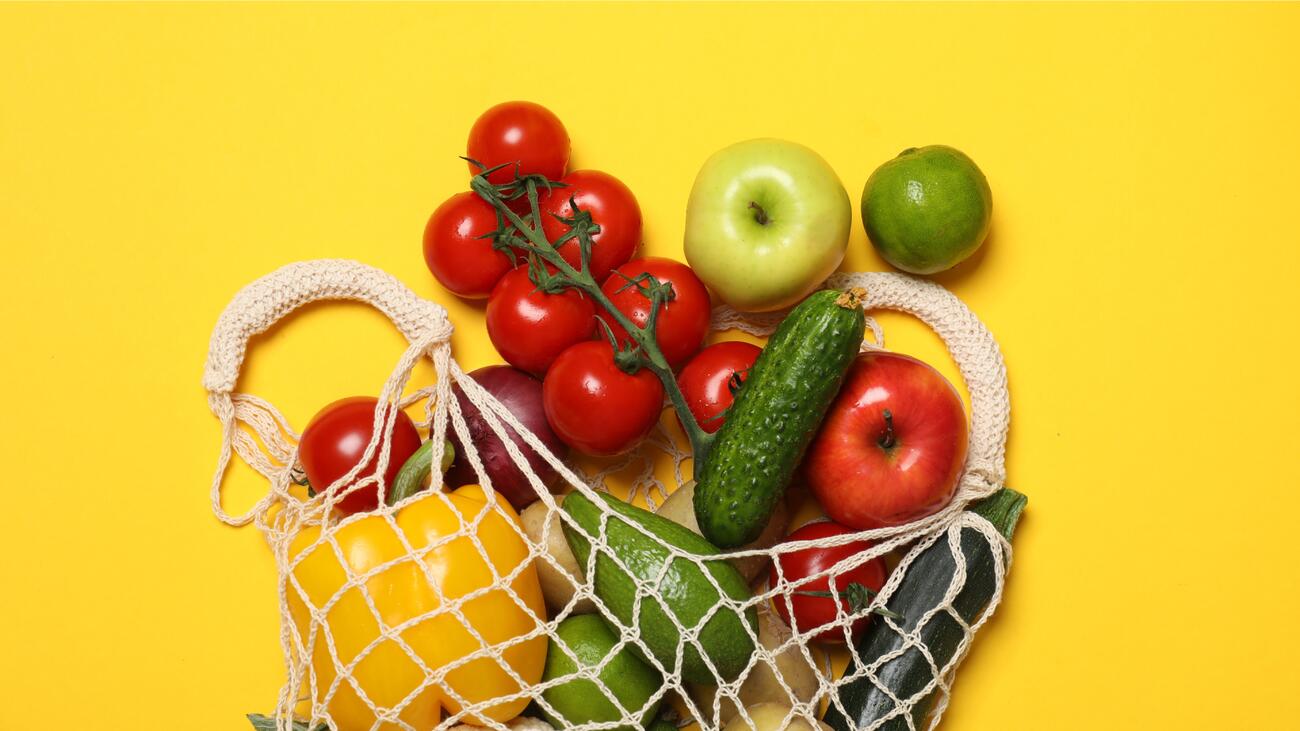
{"points": [[892, 446]]}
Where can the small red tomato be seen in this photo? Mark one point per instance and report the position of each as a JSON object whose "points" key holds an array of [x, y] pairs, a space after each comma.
{"points": [[458, 257], [706, 381], [531, 328], [811, 610], [611, 205], [683, 322], [519, 132], [336, 439], [595, 406]]}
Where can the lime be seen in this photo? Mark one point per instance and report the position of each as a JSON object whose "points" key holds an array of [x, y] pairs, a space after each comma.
{"points": [[626, 676], [927, 209]]}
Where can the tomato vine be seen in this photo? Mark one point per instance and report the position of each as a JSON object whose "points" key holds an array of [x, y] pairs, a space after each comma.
{"points": [[522, 235]]}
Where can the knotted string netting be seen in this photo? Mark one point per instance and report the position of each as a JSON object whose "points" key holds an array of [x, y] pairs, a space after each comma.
{"points": [[445, 664]]}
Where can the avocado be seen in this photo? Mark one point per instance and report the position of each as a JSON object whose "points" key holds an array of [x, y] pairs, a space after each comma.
{"points": [[640, 540]]}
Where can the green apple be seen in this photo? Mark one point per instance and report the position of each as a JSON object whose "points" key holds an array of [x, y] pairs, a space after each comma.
{"points": [[767, 221]]}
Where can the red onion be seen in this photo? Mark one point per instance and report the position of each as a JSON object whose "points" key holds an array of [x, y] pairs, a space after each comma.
{"points": [[521, 394]]}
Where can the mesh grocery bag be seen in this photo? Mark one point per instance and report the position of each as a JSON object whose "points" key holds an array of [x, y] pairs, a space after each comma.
{"points": [[427, 614]]}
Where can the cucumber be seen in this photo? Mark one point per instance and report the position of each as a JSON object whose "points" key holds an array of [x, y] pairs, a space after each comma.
{"points": [[775, 416], [683, 588], [869, 702]]}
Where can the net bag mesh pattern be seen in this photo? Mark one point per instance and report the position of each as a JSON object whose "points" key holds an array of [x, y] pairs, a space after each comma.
{"points": [[324, 680]]}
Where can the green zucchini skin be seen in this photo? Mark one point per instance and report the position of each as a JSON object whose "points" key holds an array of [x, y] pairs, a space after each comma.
{"points": [[775, 416], [923, 589], [680, 584]]}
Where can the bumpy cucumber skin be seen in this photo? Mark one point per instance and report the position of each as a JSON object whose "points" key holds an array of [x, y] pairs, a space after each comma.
{"points": [[683, 588], [775, 416]]}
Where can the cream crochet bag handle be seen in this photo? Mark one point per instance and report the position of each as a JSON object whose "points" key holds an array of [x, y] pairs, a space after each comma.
{"points": [[425, 325], [265, 302]]}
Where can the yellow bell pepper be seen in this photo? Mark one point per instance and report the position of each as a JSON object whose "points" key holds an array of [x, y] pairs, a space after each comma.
{"points": [[405, 591]]}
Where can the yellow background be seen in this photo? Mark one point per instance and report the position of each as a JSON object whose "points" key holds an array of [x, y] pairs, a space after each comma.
{"points": [[1141, 277]]}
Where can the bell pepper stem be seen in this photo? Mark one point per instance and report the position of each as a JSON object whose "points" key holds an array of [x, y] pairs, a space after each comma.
{"points": [[410, 479]]}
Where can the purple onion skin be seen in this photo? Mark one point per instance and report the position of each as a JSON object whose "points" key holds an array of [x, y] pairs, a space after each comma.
{"points": [[521, 394]]}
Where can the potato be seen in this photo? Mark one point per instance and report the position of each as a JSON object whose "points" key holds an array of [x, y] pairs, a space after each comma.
{"points": [[680, 508], [557, 589], [771, 717], [762, 686]]}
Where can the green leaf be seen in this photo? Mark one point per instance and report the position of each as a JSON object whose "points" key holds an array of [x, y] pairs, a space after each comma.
{"points": [[267, 723]]}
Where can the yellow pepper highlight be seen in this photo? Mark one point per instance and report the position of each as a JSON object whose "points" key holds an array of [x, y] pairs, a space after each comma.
{"points": [[404, 591]]}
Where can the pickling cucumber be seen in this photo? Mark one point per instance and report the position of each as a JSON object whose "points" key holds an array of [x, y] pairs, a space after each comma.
{"points": [[776, 414]]}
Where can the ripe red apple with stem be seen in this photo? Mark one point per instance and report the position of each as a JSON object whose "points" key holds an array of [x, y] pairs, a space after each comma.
{"points": [[892, 446]]}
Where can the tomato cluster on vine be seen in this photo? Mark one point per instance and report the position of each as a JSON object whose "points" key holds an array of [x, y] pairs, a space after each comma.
{"points": [[602, 395]]}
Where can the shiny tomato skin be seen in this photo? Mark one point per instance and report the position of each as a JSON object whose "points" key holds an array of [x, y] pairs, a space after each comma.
{"points": [[522, 132], [464, 263], [335, 441], [594, 406], [706, 380], [611, 205], [530, 328], [683, 322], [811, 612]]}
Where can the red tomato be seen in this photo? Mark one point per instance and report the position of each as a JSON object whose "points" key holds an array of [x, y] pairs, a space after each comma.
{"points": [[706, 380], [336, 440], [682, 323], [531, 328], [610, 204], [594, 406], [811, 612], [522, 132], [464, 263]]}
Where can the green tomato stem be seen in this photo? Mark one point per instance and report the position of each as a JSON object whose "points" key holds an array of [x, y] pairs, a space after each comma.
{"points": [[857, 596]]}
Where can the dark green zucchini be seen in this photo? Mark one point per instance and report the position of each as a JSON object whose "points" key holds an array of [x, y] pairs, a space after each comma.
{"points": [[923, 589], [775, 415]]}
